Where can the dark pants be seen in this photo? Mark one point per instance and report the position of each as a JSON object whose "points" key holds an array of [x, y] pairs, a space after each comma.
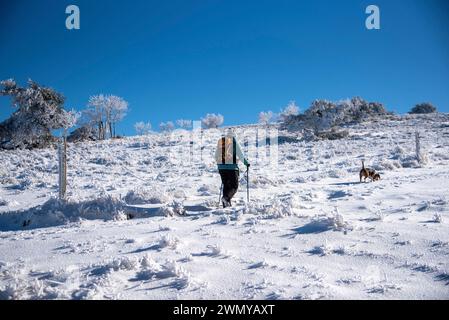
{"points": [[230, 180]]}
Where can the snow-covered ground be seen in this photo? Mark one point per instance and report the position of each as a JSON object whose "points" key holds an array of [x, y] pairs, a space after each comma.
{"points": [[310, 231]]}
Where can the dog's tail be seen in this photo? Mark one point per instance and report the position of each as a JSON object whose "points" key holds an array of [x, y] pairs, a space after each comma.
{"points": [[363, 164]]}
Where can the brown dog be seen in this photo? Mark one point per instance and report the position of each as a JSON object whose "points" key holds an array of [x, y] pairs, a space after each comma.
{"points": [[376, 177], [367, 173]]}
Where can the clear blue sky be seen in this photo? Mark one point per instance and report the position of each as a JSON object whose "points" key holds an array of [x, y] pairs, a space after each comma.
{"points": [[182, 59]]}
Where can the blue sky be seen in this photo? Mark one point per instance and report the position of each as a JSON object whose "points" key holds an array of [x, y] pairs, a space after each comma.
{"points": [[183, 59]]}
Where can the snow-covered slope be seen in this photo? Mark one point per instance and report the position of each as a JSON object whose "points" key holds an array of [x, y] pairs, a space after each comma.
{"points": [[310, 231]]}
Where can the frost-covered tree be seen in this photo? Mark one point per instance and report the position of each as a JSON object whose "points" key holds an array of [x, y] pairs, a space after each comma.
{"points": [[212, 120], [117, 109], [266, 117], [184, 124], [166, 126], [39, 110], [142, 128], [104, 111], [95, 114], [422, 108], [289, 111]]}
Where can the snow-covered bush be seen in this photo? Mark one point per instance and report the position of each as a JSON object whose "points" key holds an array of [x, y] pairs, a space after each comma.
{"points": [[150, 270], [322, 250], [402, 158], [56, 212], [16, 285], [260, 181], [39, 110], [142, 128], [289, 111], [386, 164], [398, 152], [334, 221], [332, 134], [83, 133], [437, 217], [168, 241], [212, 120], [123, 263], [323, 115], [175, 208], [275, 208], [265, 117], [3, 202], [379, 215], [337, 221], [215, 250], [422, 108], [184, 124], [144, 195], [166, 126]]}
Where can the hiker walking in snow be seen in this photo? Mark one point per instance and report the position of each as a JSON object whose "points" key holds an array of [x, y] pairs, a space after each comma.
{"points": [[227, 153]]}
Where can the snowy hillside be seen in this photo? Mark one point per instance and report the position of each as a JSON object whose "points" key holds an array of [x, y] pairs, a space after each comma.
{"points": [[142, 222]]}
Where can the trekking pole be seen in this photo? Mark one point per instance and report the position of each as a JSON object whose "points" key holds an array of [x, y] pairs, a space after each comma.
{"points": [[247, 185], [219, 198]]}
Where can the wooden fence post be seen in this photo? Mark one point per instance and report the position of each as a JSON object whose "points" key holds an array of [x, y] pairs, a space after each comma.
{"points": [[62, 152], [418, 147]]}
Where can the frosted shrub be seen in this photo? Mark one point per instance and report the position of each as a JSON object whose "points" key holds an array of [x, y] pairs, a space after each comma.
{"points": [[332, 134], [3, 202], [398, 152], [437, 217], [422, 108], [211, 121], [324, 115], [184, 124], [56, 212], [215, 251], [172, 209], [123, 263], [166, 211], [16, 285], [168, 241], [166, 126], [322, 250], [379, 215], [148, 263], [388, 165], [83, 133], [260, 181], [275, 208], [289, 111], [265, 117], [335, 222], [410, 162], [142, 128], [147, 196]]}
